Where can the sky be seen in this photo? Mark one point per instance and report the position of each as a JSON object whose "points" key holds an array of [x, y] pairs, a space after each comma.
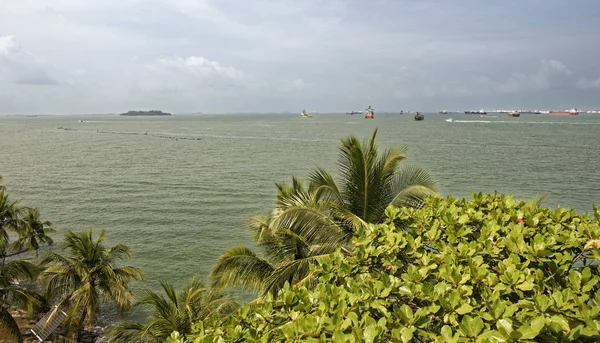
{"points": [[223, 56]]}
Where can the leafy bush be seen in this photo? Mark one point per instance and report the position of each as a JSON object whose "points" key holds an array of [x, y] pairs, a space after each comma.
{"points": [[491, 269]]}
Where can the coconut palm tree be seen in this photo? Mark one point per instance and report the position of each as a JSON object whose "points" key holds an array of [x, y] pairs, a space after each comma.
{"points": [[9, 220], [178, 311], [12, 295], [308, 223], [32, 232], [87, 274]]}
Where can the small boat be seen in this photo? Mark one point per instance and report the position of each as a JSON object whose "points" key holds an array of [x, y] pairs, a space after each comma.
{"points": [[419, 116], [449, 120], [81, 121], [572, 112], [444, 112], [513, 114], [305, 114], [354, 112], [369, 113], [401, 112]]}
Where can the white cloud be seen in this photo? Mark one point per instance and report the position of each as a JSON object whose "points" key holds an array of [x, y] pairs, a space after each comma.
{"points": [[8, 45], [199, 66]]}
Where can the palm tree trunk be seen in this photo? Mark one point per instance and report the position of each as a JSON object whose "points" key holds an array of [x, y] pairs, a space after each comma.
{"points": [[80, 327]]}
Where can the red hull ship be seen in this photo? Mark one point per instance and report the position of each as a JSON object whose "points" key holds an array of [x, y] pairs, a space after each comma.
{"points": [[369, 113], [572, 112]]}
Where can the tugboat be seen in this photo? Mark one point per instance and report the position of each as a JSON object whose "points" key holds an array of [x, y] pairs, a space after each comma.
{"points": [[305, 114], [369, 113], [419, 116]]}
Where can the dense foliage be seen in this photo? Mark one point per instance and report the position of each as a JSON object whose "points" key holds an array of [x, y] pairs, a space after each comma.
{"points": [[309, 222], [22, 231], [178, 311], [491, 269]]}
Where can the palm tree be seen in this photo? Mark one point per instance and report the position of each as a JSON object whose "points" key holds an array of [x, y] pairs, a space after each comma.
{"points": [[30, 232], [33, 231], [308, 223], [87, 274], [9, 220], [178, 311], [13, 295]]}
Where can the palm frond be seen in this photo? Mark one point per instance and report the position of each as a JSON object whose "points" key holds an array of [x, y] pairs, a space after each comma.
{"points": [[10, 325], [411, 186], [323, 186], [291, 272], [129, 332], [240, 266]]}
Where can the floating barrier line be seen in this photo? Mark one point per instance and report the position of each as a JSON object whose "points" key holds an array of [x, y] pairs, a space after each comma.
{"points": [[188, 138]]}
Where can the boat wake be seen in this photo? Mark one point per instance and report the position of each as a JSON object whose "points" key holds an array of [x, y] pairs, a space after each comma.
{"points": [[523, 122], [472, 121]]}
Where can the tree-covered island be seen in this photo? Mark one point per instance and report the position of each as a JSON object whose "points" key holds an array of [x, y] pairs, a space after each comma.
{"points": [[146, 113]]}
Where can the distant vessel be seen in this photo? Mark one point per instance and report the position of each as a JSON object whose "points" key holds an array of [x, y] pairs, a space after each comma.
{"points": [[419, 116], [531, 112], [481, 111], [354, 112], [401, 112], [444, 112], [450, 120], [146, 113], [513, 114], [370, 113], [571, 112], [305, 114]]}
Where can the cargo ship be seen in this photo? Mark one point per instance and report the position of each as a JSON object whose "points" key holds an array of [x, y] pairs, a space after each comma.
{"points": [[571, 112], [481, 111], [369, 113]]}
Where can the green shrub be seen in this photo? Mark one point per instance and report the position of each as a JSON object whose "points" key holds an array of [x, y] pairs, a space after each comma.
{"points": [[490, 269]]}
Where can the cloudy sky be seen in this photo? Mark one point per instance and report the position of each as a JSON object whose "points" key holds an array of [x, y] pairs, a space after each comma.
{"points": [[106, 56]]}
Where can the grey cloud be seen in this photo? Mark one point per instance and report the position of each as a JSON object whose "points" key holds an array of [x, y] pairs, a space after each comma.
{"points": [[227, 55], [20, 67]]}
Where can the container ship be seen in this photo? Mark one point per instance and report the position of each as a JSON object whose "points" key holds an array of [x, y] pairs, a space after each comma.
{"points": [[481, 111], [571, 112]]}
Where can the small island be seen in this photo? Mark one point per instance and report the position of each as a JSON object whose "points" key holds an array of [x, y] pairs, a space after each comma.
{"points": [[146, 113]]}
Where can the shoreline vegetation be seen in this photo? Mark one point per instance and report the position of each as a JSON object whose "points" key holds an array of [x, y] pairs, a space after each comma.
{"points": [[375, 255], [145, 113]]}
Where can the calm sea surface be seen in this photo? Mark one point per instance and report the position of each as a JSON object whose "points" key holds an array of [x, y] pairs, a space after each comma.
{"points": [[179, 203]]}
